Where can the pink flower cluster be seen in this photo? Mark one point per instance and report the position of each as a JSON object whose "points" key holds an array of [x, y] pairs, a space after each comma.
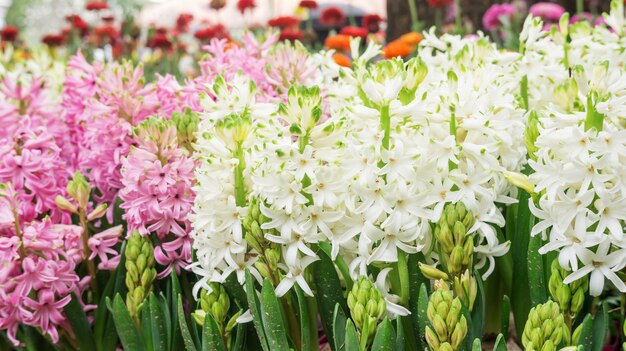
{"points": [[158, 176], [103, 104], [38, 277]]}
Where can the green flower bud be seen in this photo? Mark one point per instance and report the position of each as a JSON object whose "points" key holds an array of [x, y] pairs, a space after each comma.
{"points": [[367, 306], [216, 303], [431, 272], [531, 134], [545, 327], [199, 316], [449, 326], [570, 298], [140, 271], [466, 288], [97, 212], [65, 204], [186, 127], [457, 247], [78, 188]]}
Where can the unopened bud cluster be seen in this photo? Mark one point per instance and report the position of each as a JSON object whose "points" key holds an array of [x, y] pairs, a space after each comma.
{"points": [[545, 328], [140, 271], [448, 326], [451, 232], [570, 297], [367, 306]]}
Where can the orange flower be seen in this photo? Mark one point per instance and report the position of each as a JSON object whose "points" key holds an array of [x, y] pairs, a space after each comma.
{"points": [[397, 48], [411, 38], [342, 60], [339, 42]]}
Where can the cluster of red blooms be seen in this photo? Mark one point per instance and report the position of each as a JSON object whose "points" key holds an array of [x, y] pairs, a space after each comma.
{"points": [[439, 3]]}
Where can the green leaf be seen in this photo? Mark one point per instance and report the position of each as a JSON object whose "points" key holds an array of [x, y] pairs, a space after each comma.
{"points": [[305, 321], [352, 338], [237, 344], [211, 335], [411, 326], [586, 335], [273, 322], [159, 335], [80, 325], [500, 344], [520, 292], [422, 317], [478, 310], [506, 312], [400, 339], [536, 272], [339, 326], [176, 336], [255, 310], [125, 326], [385, 338], [600, 328], [146, 324], [329, 292], [104, 327], [477, 345], [187, 339]]}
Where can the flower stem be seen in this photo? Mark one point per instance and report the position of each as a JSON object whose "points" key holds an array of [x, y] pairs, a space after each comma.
{"points": [[403, 273], [240, 191], [580, 7], [594, 118], [457, 16], [91, 267], [439, 19], [385, 125], [18, 232], [313, 331], [415, 23]]}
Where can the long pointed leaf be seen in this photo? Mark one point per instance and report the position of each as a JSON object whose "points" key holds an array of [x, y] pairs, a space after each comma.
{"points": [[305, 321], [500, 344], [328, 292], [385, 337], [273, 322], [211, 335], [352, 338], [339, 324], [80, 325], [255, 310], [187, 339], [125, 326], [520, 293], [159, 336], [600, 328], [422, 317]]}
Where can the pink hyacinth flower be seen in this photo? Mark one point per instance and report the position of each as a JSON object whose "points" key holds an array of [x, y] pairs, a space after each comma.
{"points": [[491, 18], [548, 11]]}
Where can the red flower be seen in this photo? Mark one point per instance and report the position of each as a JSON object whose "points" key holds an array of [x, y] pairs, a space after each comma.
{"points": [[106, 31], [108, 18], [182, 22], [160, 40], [332, 17], [372, 22], [210, 32], [439, 3], [308, 4], [284, 22], [243, 5], [9, 33], [290, 34], [354, 31], [78, 24], [52, 39], [96, 5], [161, 30]]}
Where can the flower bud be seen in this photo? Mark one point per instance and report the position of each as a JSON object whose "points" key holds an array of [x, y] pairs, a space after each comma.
{"points": [[449, 326], [451, 233], [199, 316], [65, 204], [78, 188], [140, 271], [367, 306], [570, 298], [97, 212], [545, 327], [431, 272], [216, 303], [520, 180], [466, 288]]}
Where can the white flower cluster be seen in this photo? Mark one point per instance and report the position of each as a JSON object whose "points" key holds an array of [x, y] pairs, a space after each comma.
{"points": [[365, 162], [579, 155]]}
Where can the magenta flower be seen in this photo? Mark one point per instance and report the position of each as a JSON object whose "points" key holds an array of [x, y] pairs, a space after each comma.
{"points": [[493, 15], [585, 16], [47, 312], [548, 11]]}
